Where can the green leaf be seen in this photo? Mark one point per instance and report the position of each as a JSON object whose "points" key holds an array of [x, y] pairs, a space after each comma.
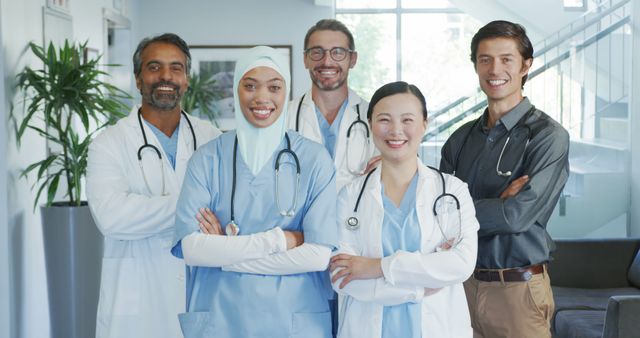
{"points": [[64, 90]]}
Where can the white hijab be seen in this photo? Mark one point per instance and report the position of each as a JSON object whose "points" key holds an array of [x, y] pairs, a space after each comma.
{"points": [[256, 145]]}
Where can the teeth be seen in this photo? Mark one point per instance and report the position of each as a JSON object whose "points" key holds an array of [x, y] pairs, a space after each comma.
{"points": [[165, 88], [396, 143], [497, 82], [261, 111]]}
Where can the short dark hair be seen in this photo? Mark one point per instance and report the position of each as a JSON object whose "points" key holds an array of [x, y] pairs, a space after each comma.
{"points": [[330, 25], [398, 87], [169, 38], [504, 29]]}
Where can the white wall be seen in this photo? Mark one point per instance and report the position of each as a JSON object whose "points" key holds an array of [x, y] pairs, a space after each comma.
{"points": [[5, 276], [29, 296], [21, 22], [241, 22]]}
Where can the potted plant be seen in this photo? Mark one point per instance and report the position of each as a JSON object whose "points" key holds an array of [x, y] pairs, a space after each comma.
{"points": [[200, 97], [66, 102]]}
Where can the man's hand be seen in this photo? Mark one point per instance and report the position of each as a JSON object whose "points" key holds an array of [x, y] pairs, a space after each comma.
{"points": [[354, 267], [208, 222], [294, 239], [514, 188], [373, 162]]}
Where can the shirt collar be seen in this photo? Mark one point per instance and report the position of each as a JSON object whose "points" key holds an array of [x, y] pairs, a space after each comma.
{"points": [[510, 119]]}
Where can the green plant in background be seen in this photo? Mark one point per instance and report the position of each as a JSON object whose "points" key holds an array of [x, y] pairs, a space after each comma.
{"points": [[201, 95], [67, 93]]}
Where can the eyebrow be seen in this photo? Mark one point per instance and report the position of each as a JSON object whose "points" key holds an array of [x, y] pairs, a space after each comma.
{"points": [[256, 80], [401, 114], [159, 63], [499, 55]]}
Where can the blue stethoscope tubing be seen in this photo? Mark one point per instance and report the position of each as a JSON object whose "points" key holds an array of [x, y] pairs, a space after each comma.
{"points": [[233, 228], [356, 122], [499, 172], [157, 151]]}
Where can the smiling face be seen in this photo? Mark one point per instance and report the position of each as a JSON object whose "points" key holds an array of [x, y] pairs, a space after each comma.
{"points": [[398, 125], [500, 68], [328, 74], [261, 94], [163, 77]]}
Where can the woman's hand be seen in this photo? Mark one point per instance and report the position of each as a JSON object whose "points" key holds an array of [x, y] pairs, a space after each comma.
{"points": [[354, 267], [294, 239], [373, 162], [208, 222]]}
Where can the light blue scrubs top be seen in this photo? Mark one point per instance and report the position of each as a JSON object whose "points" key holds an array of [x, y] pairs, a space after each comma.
{"points": [[226, 304], [330, 131], [169, 144], [401, 231]]}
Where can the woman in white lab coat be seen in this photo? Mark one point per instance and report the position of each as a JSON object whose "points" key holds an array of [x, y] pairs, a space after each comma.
{"points": [[142, 285], [351, 153], [408, 234]]}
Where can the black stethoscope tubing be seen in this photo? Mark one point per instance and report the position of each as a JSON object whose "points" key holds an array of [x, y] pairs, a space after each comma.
{"points": [[354, 123], [157, 151], [522, 121], [148, 145], [232, 223], [353, 222]]}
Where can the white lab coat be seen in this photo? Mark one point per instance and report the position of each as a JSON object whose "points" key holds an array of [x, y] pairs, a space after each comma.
{"points": [[143, 287], [407, 274], [360, 152]]}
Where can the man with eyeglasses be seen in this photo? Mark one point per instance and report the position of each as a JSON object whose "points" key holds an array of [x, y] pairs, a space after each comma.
{"points": [[331, 113]]}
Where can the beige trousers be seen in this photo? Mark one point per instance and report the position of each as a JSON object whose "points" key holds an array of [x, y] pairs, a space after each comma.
{"points": [[510, 309]]}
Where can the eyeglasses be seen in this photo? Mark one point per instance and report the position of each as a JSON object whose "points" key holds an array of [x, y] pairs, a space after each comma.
{"points": [[336, 53]]}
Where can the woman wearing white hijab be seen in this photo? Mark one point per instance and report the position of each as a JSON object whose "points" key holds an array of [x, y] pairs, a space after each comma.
{"points": [[260, 271]]}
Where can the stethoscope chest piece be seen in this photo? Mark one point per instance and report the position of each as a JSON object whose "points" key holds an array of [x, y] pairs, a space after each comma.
{"points": [[352, 223], [232, 229]]}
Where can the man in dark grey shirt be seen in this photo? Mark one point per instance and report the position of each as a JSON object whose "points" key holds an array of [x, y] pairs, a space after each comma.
{"points": [[514, 159]]}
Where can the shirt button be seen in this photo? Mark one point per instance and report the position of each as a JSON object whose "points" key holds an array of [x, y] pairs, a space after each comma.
{"points": [[490, 139]]}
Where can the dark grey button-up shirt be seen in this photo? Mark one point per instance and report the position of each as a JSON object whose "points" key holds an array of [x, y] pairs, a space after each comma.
{"points": [[512, 231]]}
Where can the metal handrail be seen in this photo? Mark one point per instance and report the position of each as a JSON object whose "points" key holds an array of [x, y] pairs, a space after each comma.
{"points": [[555, 61]]}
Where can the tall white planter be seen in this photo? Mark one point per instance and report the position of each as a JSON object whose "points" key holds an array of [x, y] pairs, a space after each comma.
{"points": [[73, 254]]}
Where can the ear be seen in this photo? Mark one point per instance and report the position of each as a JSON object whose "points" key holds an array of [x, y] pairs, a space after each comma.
{"points": [[306, 61], [526, 65], [353, 59], [138, 82]]}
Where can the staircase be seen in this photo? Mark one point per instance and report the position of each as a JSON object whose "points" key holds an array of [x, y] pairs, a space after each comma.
{"points": [[580, 77]]}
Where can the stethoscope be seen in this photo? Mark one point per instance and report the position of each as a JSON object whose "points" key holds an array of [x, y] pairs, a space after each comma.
{"points": [[233, 228], [499, 172], [353, 223], [356, 122], [157, 151]]}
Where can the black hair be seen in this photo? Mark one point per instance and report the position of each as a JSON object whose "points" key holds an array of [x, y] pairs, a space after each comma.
{"points": [[164, 38], [504, 29], [330, 25], [399, 87]]}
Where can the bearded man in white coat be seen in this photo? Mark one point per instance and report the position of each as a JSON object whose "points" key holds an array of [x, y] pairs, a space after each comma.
{"points": [[134, 175]]}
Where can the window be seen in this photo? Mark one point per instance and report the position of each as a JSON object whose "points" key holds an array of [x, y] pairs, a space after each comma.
{"points": [[421, 42]]}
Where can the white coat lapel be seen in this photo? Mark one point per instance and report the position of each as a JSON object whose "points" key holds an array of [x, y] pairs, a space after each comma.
{"points": [[359, 155], [151, 164], [429, 187], [375, 210], [308, 123], [184, 150]]}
